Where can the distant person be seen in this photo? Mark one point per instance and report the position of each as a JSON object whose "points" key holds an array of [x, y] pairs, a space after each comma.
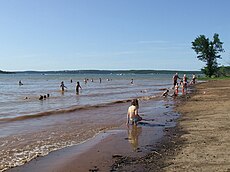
{"points": [[184, 84], [131, 81], [41, 97], [100, 80], [62, 86], [175, 77], [78, 87], [132, 114], [85, 80], [20, 83], [193, 81]]}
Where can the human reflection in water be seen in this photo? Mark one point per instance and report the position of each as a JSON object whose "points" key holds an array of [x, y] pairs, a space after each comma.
{"points": [[133, 134]]}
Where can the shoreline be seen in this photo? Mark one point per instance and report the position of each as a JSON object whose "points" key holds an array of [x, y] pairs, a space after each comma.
{"points": [[204, 143]]}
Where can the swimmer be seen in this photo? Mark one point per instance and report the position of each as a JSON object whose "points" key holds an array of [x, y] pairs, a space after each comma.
{"points": [[78, 87], [20, 83], [62, 86], [131, 81], [85, 80], [41, 97]]}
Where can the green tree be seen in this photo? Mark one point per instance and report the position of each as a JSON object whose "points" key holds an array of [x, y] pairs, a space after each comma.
{"points": [[208, 52]]}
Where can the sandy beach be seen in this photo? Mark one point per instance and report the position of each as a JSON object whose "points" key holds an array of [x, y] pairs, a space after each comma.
{"points": [[204, 122], [199, 142]]}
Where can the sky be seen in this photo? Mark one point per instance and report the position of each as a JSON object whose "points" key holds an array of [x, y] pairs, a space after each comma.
{"points": [[109, 34]]}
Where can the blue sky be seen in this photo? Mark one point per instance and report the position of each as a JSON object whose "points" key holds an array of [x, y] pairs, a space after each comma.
{"points": [[108, 34]]}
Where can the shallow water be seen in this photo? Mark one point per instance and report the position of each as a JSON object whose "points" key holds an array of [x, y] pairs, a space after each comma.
{"points": [[18, 101]]}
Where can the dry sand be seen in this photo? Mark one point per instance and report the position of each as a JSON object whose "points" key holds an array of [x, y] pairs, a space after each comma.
{"points": [[205, 122]]}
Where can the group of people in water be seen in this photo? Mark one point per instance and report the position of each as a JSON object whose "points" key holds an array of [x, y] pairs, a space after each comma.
{"points": [[133, 116], [78, 86], [183, 83]]}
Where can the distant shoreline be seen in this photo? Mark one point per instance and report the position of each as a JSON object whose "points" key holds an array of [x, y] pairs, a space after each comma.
{"points": [[6, 72], [104, 72]]}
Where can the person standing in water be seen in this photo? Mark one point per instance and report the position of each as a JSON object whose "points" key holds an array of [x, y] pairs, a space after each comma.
{"points": [[62, 86], [78, 87], [175, 77], [193, 81], [20, 83], [184, 84], [176, 89], [131, 81]]}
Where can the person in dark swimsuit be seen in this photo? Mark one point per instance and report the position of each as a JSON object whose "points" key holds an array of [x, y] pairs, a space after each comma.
{"points": [[78, 87]]}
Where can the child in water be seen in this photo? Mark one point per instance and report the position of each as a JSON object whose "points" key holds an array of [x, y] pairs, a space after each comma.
{"points": [[176, 89], [78, 87], [62, 86], [132, 114], [165, 93]]}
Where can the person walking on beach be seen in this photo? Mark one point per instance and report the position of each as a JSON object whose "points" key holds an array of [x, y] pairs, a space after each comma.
{"points": [[132, 114], [78, 87], [62, 86], [175, 77]]}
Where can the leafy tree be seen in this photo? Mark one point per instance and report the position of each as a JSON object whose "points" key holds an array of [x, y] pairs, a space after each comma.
{"points": [[208, 51]]}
